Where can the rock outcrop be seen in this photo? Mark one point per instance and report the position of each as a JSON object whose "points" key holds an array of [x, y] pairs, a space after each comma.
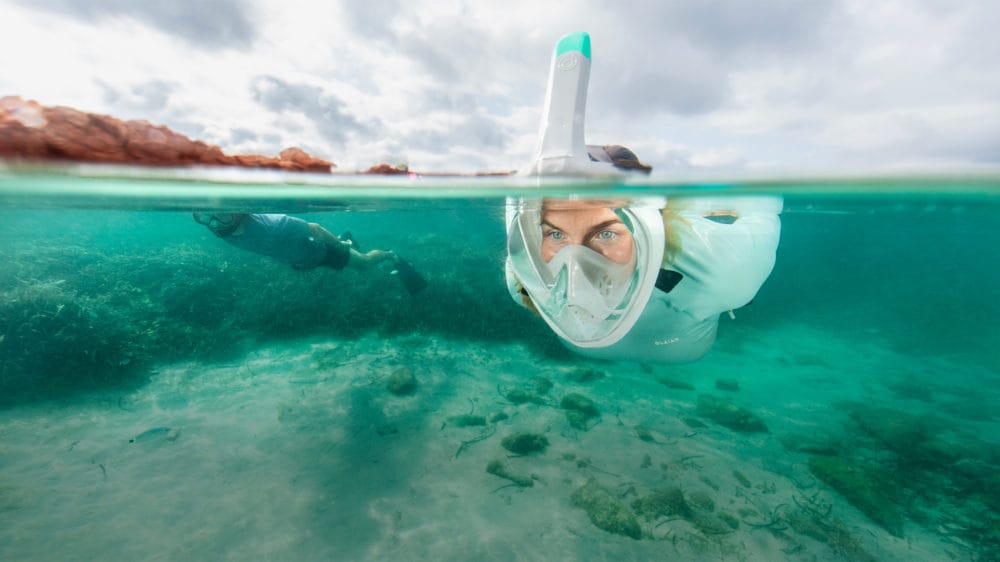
{"points": [[31, 131]]}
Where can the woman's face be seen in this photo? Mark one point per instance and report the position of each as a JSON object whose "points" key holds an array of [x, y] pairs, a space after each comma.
{"points": [[591, 224]]}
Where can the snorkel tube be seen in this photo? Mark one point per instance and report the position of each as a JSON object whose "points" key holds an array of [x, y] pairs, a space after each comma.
{"points": [[561, 148]]}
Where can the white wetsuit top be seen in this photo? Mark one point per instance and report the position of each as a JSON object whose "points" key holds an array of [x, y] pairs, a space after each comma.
{"points": [[722, 268]]}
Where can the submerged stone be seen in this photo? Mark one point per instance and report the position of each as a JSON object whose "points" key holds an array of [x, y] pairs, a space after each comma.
{"points": [[664, 502], [912, 437], [799, 443], [743, 480], [467, 420], [729, 385], [644, 434], [727, 414], [580, 403], [525, 443], [156, 434], [585, 375], [729, 519], [542, 385], [579, 410], [701, 501], [861, 489], [606, 511], [674, 383], [711, 524], [828, 530], [402, 382], [498, 468], [693, 423], [498, 416]]}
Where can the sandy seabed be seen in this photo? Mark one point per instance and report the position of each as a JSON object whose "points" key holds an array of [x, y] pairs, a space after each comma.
{"points": [[299, 452]]}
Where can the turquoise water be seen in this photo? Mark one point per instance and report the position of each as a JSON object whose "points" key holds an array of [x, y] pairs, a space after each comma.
{"points": [[165, 396]]}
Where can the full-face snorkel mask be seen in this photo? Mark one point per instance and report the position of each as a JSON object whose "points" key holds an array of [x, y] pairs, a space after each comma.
{"points": [[221, 224], [587, 299]]}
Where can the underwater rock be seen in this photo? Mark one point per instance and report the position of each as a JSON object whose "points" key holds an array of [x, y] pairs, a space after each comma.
{"points": [[861, 489], [670, 502], [674, 383], [577, 420], [525, 443], [542, 385], [605, 511], [743, 480], [727, 414], [498, 468], [402, 382], [729, 520], [828, 530], [910, 436], [580, 403], [467, 420], [499, 416], [701, 501], [579, 410], [31, 131], [799, 443], [663, 502], [386, 429], [584, 375], [712, 524], [644, 434], [519, 396], [156, 434], [729, 385], [693, 423]]}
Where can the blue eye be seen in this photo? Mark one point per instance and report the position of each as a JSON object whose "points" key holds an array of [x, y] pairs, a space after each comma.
{"points": [[607, 235], [556, 235]]}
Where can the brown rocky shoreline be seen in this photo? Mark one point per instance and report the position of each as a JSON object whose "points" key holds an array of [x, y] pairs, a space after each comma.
{"points": [[32, 132]]}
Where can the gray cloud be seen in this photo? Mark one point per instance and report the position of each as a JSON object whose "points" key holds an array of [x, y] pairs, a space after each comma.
{"points": [[150, 101], [241, 135], [372, 20], [680, 55], [144, 98], [476, 132], [785, 27], [451, 51], [321, 108], [977, 143], [685, 85], [207, 23], [437, 59]]}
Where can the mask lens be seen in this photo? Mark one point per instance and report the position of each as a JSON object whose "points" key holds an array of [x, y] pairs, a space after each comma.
{"points": [[220, 221], [590, 295]]}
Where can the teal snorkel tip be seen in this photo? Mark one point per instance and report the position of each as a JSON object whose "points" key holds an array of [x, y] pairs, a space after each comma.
{"points": [[579, 41]]}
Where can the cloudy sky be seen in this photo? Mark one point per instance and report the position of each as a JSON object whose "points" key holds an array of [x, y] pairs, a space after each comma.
{"points": [[690, 85]]}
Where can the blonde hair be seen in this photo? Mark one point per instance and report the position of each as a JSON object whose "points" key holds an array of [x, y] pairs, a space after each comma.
{"points": [[672, 222]]}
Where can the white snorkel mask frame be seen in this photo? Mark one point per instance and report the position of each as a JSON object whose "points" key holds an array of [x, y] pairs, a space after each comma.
{"points": [[585, 298]]}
